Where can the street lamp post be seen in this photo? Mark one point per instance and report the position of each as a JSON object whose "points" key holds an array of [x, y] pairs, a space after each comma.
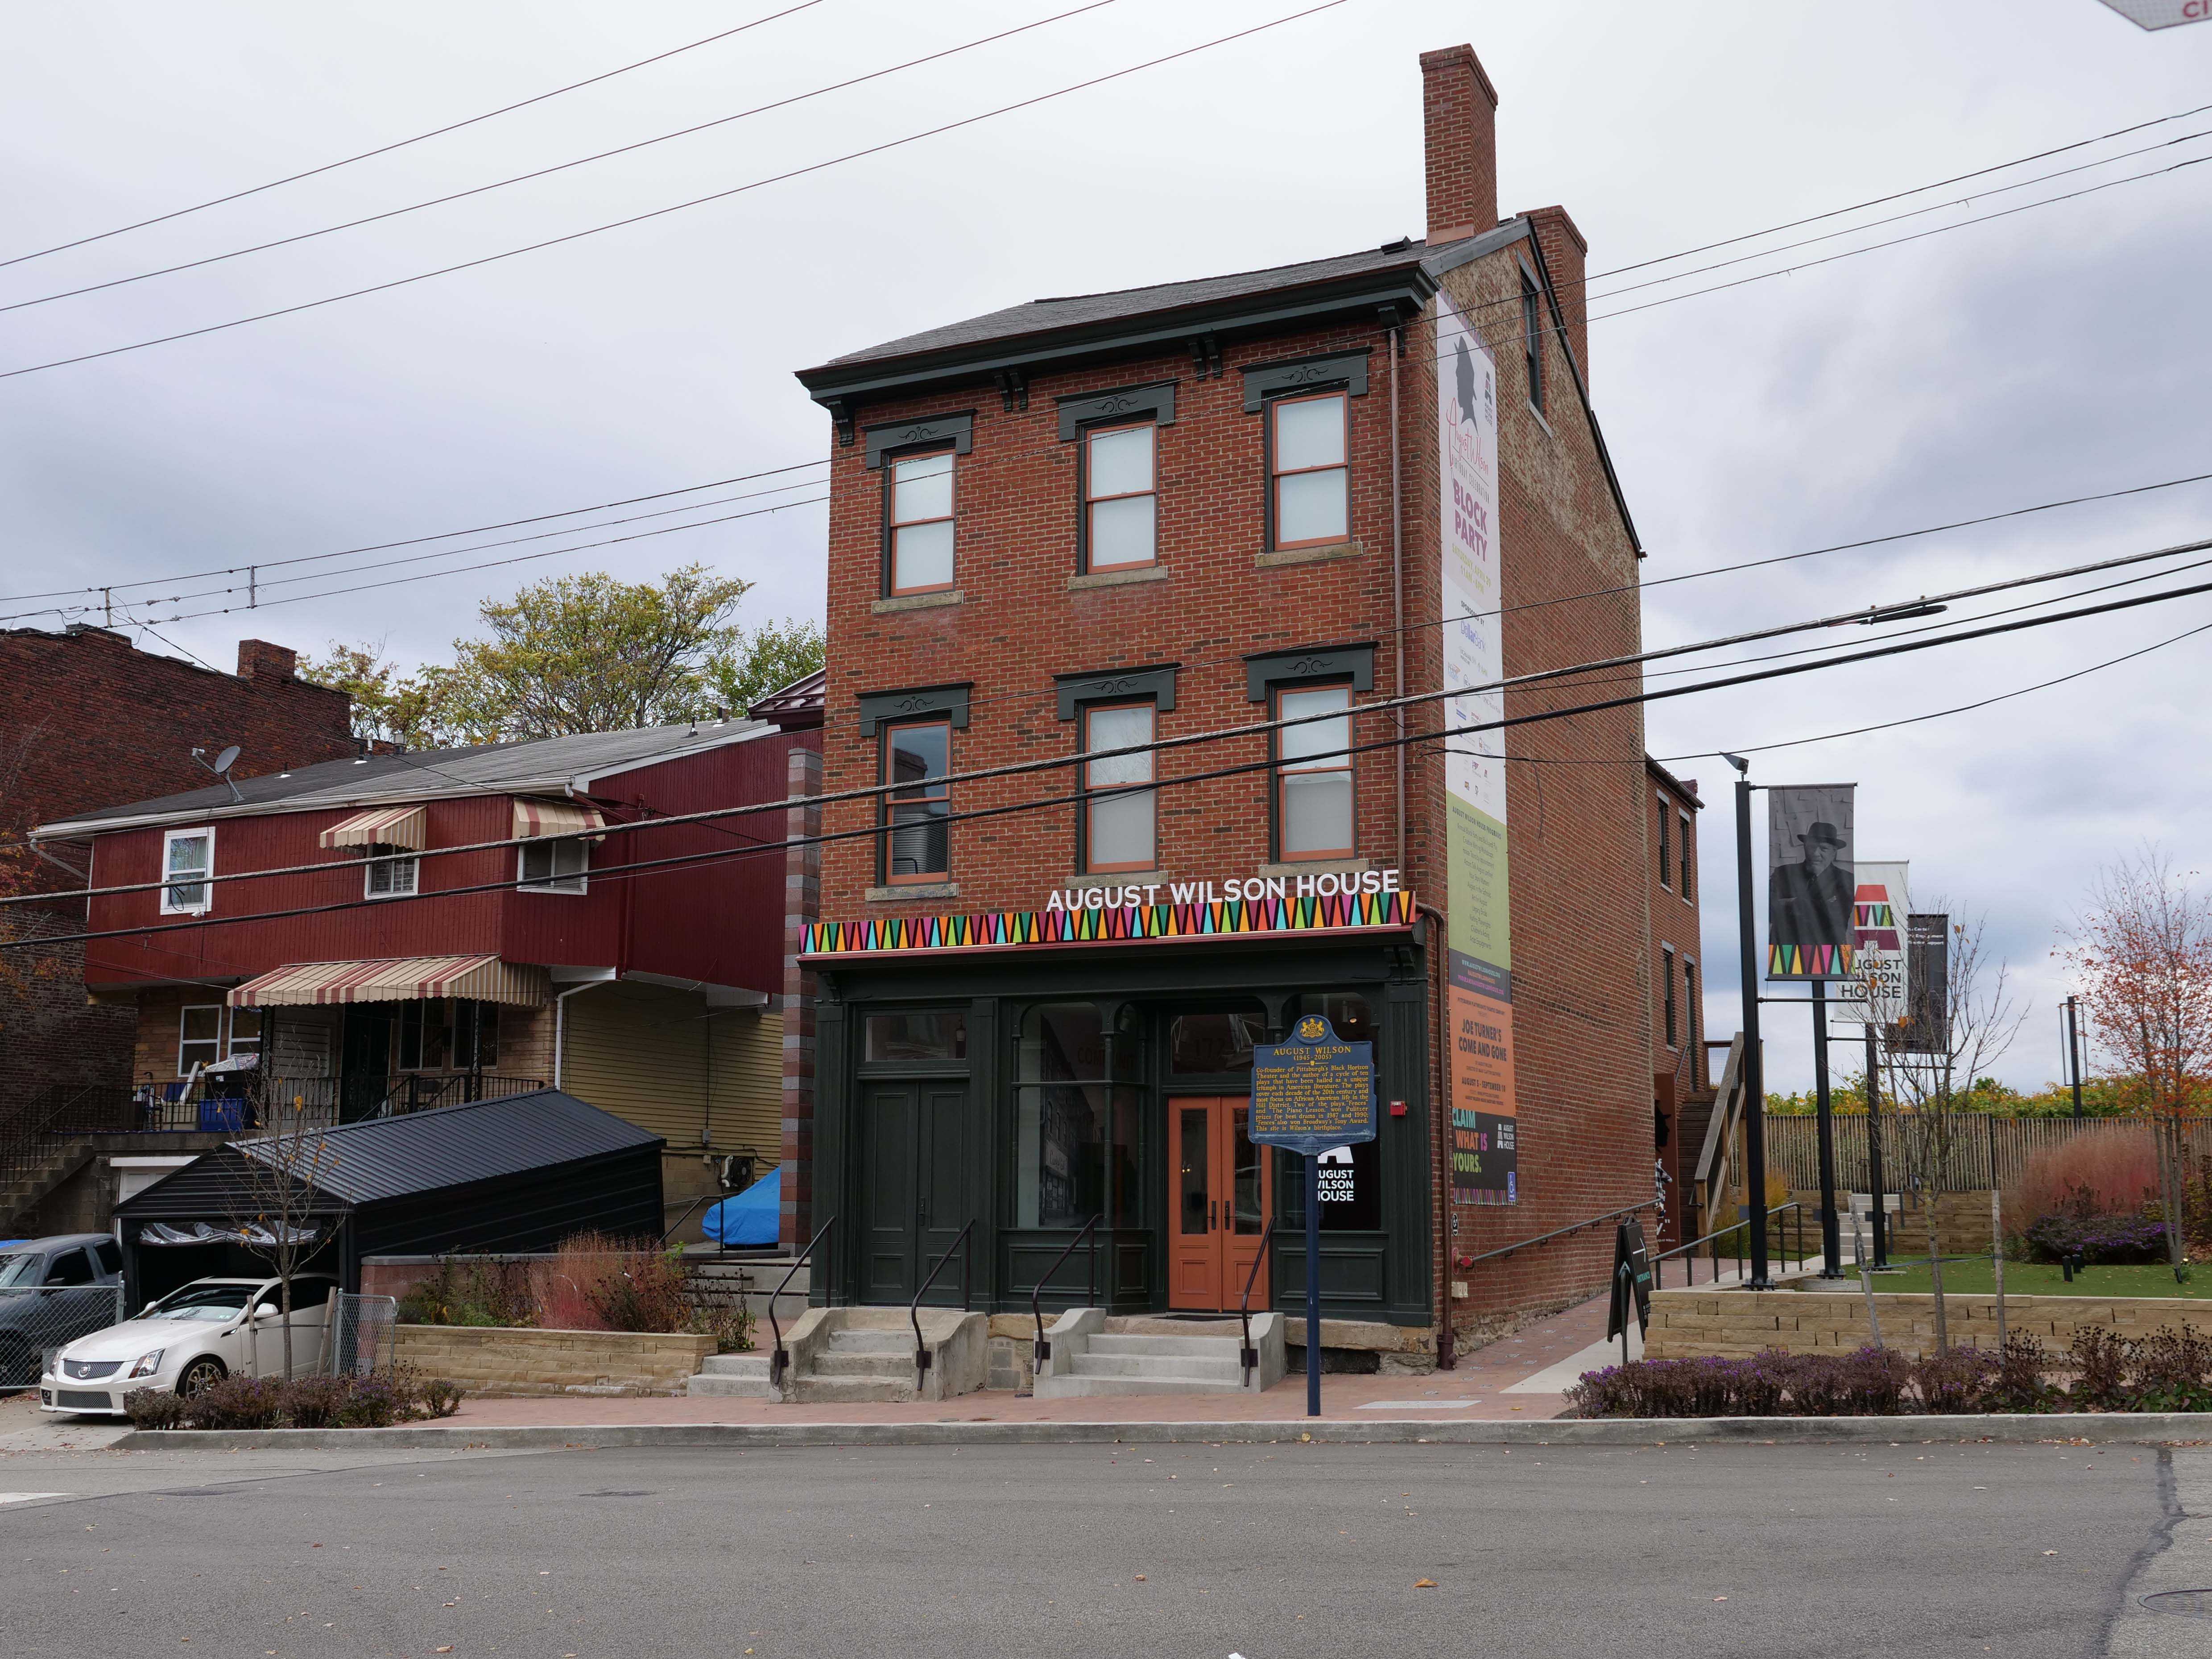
{"points": [[1754, 1069]]}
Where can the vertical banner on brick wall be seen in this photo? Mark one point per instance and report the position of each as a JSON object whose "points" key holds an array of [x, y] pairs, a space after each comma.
{"points": [[1478, 947]]}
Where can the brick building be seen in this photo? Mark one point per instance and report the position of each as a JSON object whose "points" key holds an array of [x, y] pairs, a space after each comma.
{"points": [[87, 718], [1100, 522], [1682, 1080]]}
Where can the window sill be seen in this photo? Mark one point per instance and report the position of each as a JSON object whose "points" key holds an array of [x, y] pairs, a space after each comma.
{"points": [[1542, 422], [916, 602], [1143, 573], [912, 890], [1353, 549], [1319, 867]]}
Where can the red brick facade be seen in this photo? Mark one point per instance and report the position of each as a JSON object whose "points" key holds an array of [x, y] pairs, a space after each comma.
{"points": [[86, 720], [1681, 1074], [1021, 612]]}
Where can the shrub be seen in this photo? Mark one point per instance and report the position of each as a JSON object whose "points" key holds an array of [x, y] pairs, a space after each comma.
{"points": [[154, 1409], [2097, 1172], [2171, 1370], [598, 1282], [316, 1402], [236, 1402], [1955, 1380], [478, 1291], [2102, 1238]]}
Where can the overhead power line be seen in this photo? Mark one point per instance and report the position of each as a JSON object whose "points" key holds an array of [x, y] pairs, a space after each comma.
{"points": [[1383, 706], [697, 201], [1184, 780], [558, 167], [402, 143]]}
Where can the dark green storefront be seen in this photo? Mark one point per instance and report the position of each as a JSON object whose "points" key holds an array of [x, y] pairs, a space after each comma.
{"points": [[1025, 1090]]}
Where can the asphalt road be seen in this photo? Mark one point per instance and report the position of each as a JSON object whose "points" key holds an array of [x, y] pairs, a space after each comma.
{"points": [[1283, 1552]]}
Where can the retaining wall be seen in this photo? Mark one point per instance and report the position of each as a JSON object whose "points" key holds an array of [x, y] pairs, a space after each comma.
{"points": [[500, 1361], [1688, 1323]]}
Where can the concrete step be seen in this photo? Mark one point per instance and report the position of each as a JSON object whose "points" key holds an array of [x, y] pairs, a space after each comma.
{"points": [[1081, 1386], [1161, 1366], [833, 1362], [1190, 1346], [850, 1390], [740, 1388], [872, 1341], [736, 1364]]}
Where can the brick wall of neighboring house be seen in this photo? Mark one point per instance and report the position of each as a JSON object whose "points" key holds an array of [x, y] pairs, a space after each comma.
{"points": [[87, 721], [1682, 1070]]}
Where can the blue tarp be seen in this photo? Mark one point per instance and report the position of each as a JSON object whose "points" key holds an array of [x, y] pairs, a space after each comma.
{"points": [[752, 1217]]}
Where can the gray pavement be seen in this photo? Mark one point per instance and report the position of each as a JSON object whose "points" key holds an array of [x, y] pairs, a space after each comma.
{"points": [[1270, 1552]]}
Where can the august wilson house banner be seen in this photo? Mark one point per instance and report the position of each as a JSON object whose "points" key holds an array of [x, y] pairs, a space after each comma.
{"points": [[1811, 887], [1479, 950]]}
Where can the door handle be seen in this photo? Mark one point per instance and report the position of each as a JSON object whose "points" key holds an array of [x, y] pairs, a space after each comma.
{"points": [[1212, 1223]]}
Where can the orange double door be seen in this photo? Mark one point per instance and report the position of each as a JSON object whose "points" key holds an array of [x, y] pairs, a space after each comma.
{"points": [[1219, 1202]]}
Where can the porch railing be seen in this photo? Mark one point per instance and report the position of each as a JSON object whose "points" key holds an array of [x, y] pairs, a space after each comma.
{"points": [[240, 1103]]}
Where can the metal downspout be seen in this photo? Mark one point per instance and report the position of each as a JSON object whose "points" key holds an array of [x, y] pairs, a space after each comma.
{"points": [[561, 1023], [1397, 592], [1439, 1113]]}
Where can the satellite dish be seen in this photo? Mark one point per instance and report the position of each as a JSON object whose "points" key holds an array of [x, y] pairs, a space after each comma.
{"points": [[225, 759]]}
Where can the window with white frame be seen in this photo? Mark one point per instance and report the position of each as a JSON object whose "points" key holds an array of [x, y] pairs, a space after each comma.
{"points": [[919, 524], [208, 1032], [1119, 820], [554, 865], [1308, 500], [1313, 775], [391, 873], [186, 854], [1119, 503]]}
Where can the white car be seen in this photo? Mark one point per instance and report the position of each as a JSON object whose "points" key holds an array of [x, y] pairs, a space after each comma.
{"points": [[190, 1338]]}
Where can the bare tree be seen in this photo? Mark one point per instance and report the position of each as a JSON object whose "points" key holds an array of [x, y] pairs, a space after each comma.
{"points": [[276, 1212], [1936, 1041], [2142, 946]]}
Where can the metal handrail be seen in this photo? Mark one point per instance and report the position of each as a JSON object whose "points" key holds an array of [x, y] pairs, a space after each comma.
{"points": [[1041, 1350], [913, 1308], [1467, 1261], [779, 1358], [1248, 1356], [1736, 1229], [689, 1209]]}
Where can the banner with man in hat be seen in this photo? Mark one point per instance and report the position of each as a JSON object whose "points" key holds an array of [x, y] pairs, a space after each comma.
{"points": [[1810, 886]]}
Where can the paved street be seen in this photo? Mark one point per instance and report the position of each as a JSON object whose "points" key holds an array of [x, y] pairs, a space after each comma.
{"points": [[1270, 1552]]}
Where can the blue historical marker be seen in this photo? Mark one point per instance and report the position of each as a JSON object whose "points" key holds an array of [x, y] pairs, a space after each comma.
{"points": [[1312, 1095]]}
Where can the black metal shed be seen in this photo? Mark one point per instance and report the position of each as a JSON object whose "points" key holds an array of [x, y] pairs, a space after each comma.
{"points": [[514, 1175]]}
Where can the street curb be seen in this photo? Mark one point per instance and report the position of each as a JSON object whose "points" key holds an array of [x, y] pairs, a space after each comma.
{"points": [[2120, 1428]]}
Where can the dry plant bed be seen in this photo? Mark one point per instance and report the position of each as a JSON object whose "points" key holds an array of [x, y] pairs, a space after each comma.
{"points": [[299, 1402]]}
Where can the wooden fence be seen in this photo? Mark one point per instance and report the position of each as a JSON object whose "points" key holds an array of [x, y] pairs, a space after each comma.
{"points": [[1985, 1151]]}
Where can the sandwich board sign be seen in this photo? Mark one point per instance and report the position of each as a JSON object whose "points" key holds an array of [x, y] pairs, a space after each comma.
{"points": [[1312, 1095]]}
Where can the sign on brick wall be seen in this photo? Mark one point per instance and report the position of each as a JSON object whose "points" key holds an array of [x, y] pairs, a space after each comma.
{"points": [[1480, 945]]}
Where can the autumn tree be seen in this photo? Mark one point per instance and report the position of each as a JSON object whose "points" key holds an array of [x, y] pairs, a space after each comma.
{"points": [[279, 1210], [388, 706], [2142, 947]]}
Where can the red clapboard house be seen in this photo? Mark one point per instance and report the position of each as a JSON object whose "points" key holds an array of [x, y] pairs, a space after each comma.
{"points": [[384, 978]]}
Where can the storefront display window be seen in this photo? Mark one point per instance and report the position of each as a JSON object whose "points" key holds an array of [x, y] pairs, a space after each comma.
{"points": [[1076, 1127], [1201, 1045]]}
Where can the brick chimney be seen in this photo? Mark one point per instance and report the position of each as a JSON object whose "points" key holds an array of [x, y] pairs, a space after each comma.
{"points": [[1459, 122], [258, 657], [1565, 254]]}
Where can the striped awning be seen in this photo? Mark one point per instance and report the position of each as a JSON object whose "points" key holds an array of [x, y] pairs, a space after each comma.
{"points": [[534, 819], [396, 978], [384, 826]]}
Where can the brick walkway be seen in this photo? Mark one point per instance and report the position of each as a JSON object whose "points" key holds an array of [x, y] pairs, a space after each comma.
{"points": [[1475, 1389]]}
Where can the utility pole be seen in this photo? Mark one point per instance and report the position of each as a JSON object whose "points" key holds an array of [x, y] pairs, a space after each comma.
{"points": [[1832, 1237], [2074, 1053], [1754, 1069]]}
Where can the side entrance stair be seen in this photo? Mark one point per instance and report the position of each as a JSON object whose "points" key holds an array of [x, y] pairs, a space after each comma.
{"points": [[841, 1355], [1096, 1354]]}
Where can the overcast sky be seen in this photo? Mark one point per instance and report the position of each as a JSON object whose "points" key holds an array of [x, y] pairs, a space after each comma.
{"points": [[2053, 353]]}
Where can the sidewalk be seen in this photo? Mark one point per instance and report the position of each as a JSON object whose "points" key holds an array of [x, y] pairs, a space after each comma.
{"points": [[1491, 1384]]}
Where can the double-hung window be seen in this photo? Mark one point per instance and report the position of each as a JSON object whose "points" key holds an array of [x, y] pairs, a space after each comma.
{"points": [[1309, 482], [1120, 499], [199, 1036], [1666, 856], [1685, 850], [1313, 773], [1120, 826], [388, 874], [919, 524], [188, 859], [553, 866], [916, 813], [1532, 339], [1673, 1028]]}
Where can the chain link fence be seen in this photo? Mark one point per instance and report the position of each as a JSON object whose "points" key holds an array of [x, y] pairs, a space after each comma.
{"points": [[360, 1333], [35, 1321]]}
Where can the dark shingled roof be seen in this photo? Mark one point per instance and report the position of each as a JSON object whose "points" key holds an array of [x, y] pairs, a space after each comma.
{"points": [[419, 1153]]}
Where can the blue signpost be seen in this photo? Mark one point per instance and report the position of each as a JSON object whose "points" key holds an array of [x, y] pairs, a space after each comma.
{"points": [[1312, 1095]]}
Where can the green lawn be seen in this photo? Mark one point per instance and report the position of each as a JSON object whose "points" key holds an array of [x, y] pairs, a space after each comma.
{"points": [[2034, 1279]]}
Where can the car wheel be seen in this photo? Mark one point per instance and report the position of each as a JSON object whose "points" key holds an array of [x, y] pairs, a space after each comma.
{"points": [[200, 1375]]}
